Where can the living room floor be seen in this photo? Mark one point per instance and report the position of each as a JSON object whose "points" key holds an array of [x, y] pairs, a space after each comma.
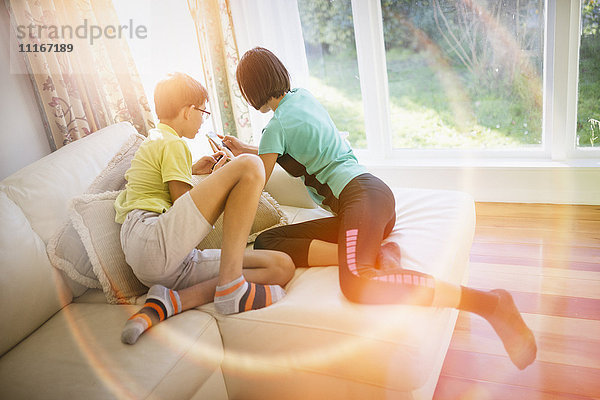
{"points": [[548, 257]]}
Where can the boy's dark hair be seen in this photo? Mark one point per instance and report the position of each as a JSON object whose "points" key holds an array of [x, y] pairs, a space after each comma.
{"points": [[261, 75], [176, 91]]}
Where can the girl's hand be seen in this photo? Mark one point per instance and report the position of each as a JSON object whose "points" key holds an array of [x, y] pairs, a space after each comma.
{"points": [[208, 164], [234, 144]]}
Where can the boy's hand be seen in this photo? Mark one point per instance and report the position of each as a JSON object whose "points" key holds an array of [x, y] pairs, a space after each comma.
{"points": [[234, 144], [208, 164], [221, 160]]}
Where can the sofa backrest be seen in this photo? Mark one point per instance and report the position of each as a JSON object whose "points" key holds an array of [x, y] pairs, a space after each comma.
{"points": [[31, 291], [34, 203], [44, 189]]}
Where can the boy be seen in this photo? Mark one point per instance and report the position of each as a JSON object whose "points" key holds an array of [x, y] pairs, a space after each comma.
{"points": [[163, 219]]}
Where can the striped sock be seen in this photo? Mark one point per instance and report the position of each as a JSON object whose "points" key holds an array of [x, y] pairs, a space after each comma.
{"points": [[239, 295], [161, 303]]}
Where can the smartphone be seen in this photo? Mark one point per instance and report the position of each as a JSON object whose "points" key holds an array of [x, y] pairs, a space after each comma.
{"points": [[215, 142]]}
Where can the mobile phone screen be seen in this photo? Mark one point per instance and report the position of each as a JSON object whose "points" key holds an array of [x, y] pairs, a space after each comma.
{"points": [[214, 141]]}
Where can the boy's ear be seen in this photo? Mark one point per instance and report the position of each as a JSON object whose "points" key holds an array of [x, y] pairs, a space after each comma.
{"points": [[187, 111]]}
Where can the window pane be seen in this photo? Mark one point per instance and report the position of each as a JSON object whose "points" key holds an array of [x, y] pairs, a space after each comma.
{"points": [[588, 107], [328, 30], [171, 42], [465, 74]]}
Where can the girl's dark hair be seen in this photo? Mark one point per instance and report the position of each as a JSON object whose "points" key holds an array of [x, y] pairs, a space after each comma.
{"points": [[261, 75], [176, 91]]}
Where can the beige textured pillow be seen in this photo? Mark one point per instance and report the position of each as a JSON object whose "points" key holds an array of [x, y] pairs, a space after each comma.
{"points": [[113, 176], [93, 216], [65, 249], [67, 253], [268, 215]]}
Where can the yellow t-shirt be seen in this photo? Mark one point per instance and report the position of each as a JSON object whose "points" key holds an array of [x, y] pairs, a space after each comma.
{"points": [[162, 157]]}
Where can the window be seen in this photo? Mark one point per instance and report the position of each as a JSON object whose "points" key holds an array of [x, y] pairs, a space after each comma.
{"points": [[588, 106], [464, 74], [328, 31], [169, 47], [486, 78]]}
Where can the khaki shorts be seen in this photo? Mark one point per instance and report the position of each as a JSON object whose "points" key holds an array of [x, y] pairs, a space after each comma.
{"points": [[161, 248]]}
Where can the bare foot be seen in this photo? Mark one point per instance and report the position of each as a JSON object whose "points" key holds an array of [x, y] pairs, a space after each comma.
{"points": [[388, 258], [517, 338]]}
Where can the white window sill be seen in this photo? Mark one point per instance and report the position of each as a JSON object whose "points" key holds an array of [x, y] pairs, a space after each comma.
{"points": [[575, 181], [491, 163]]}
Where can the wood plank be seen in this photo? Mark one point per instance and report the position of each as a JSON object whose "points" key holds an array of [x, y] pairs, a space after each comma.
{"points": [[582, 226], [532, 235], [544, 211], [587, 329], [541, 284], [469, 389], [535, 262], [539, 251], [486, 269], [541, 376], [451, 388], [559, 306]]}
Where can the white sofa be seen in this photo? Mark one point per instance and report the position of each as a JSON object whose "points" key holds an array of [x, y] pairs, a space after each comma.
{"points": [[314, 344]]}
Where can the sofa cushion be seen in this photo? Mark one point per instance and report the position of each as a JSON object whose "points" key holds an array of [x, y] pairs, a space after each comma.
{"points": [[315, 332], [65, 249], [30, 289], [78, 355], [93, 217], [44, 188], [288, 190]]}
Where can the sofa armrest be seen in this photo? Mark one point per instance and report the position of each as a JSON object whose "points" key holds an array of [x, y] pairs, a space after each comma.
{"points": [[287, 190]]}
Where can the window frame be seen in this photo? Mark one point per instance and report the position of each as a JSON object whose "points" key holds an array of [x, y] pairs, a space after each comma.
{"points": [[561, 59]]}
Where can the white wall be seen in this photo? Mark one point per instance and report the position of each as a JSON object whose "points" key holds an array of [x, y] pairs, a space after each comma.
{"points": [[22, 136]]}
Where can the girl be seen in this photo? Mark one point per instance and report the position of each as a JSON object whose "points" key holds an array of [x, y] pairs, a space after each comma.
{"points": [[303, 139]]}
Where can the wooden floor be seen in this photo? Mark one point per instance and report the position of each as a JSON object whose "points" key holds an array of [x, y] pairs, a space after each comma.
{"points": [[548, 257]]}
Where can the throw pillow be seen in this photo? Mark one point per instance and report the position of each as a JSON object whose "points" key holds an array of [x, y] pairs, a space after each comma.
{"points": [[93, 216], [67, 253], [65, 249], [268, 215], [113, 176]]}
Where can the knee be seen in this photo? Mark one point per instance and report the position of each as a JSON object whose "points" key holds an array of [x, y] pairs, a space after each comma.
{"points": [[252, 167], [350, 295], [349, 289], [283, 267]]}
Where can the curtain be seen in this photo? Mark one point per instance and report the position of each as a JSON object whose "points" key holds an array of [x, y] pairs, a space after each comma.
{"points": [[92, 86], [220, 57], [253, 26]]}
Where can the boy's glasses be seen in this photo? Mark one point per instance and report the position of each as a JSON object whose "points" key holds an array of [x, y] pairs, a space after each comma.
{"points": [[205, 113]]}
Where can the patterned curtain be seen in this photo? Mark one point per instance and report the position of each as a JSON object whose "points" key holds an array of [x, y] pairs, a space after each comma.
{"points": [[92, 86], [220, 57]]}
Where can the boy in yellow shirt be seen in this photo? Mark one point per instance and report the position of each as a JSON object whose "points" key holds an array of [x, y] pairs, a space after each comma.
{"points": [[163, 219]]}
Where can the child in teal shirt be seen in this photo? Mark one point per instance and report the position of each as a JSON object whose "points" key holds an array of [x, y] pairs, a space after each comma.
{"points": [[303, 139]]}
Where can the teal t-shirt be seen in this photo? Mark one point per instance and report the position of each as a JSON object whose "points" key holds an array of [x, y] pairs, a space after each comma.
{"points": [[310, 146]]}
